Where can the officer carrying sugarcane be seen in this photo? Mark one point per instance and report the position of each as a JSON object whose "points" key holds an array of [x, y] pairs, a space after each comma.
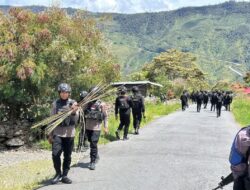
{"points": [[62, 137]]}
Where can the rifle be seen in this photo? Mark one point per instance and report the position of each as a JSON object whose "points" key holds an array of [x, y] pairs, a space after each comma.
{"points": [[225, 181]]}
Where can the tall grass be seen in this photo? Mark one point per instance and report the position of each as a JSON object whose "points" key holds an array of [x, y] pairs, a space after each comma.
{"points": [[241, 110]]}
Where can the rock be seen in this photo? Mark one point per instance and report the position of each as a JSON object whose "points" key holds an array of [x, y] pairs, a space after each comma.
{"points": [[10, 133], [31, 138], [2, 147], [2, 139], [18, 133], [2, 131], [15, 142]]}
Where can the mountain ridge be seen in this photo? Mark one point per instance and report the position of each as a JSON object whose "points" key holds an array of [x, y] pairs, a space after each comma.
{"points": [[218, 34]]}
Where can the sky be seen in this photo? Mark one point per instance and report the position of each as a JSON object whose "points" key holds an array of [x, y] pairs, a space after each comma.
{"points": [[119, 6]]}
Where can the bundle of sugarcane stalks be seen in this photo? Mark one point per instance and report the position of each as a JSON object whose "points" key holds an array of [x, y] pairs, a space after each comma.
{"points": [[99, 92]]}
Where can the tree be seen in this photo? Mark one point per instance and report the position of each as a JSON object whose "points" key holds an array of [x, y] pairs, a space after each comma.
{"points": [[39, 51], [173, 66]]}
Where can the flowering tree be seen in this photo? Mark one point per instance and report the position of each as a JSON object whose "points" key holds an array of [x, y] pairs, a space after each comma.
{"points": [[38, 51]]}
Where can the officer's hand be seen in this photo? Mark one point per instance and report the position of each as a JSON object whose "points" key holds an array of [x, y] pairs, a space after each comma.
{"points": [[106, 131], [74, 107], [50, 139]]}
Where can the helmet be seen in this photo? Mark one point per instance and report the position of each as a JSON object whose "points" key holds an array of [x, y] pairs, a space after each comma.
{"points": [[83, 94], [135, 89], [64, 87], [123, 89]]}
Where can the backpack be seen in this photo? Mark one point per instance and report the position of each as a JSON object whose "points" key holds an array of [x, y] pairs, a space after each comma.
{"points": [[235, 157], [220, 98], [94, 112], [123, 103], [60, 107], [136, 102]]}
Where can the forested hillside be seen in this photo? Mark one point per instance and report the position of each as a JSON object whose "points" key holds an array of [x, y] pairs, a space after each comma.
{"points": [[219, 36]]}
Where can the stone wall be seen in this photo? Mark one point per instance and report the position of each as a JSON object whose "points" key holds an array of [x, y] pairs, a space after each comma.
{"points": [[13, 134]]}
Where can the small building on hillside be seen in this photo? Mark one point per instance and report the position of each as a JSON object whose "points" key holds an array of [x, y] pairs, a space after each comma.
{"points": [[143, 86]]}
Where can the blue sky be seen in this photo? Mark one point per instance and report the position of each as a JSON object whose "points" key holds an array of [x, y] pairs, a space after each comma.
{"points": [[121, 6]]}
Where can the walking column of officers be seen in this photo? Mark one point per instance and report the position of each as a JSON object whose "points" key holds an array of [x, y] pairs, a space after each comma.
{"points": [[95, 114], [239, 157], [216, 98]]}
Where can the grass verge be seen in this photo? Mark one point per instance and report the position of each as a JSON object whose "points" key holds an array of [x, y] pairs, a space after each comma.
{"points": [[241, 110]]}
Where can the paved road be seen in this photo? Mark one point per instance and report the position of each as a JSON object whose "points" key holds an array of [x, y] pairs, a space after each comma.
{"points": [[182, 151]]}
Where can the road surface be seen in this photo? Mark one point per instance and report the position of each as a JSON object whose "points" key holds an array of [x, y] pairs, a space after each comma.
{"points": [[181, 151]]}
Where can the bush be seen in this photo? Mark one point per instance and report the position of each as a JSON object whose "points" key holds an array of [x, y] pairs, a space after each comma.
{"points": [[39, 51]]}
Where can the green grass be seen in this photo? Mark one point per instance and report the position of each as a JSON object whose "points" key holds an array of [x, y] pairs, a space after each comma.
{"points": [[241, 110], [25, 175]]}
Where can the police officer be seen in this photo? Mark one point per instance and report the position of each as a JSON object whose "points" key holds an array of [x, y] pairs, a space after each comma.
{"points": [[213, 101], [184, 100], [138, 108], [239, 159], [219, 103], [123, 105], [95, 114], [205, 99], [228, 100], [62, 137], [199, 99]]}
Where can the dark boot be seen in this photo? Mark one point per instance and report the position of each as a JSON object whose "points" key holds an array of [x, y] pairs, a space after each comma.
{"points": [[117, 135], [92, 166], [137, 131], [97, 159], [57, 178], [125, 138], [66, 180]]}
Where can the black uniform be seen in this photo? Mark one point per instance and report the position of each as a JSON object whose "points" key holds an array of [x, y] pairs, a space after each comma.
{"points": [[63, 137], [227, 101], [95, 114], [199, 99], [138, 108], [193, 97], [123, 105], [219, 104], [184, 101], [205, 99], [213, 101]]}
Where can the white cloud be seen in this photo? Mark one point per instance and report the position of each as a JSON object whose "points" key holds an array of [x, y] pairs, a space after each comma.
{"points": [[121, 6]]}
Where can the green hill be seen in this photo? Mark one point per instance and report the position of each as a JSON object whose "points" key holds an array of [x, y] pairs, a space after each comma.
{"points": [[219, 35]]}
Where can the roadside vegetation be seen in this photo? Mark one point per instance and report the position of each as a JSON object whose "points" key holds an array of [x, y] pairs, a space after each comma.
{"points": [[241, 110]]}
